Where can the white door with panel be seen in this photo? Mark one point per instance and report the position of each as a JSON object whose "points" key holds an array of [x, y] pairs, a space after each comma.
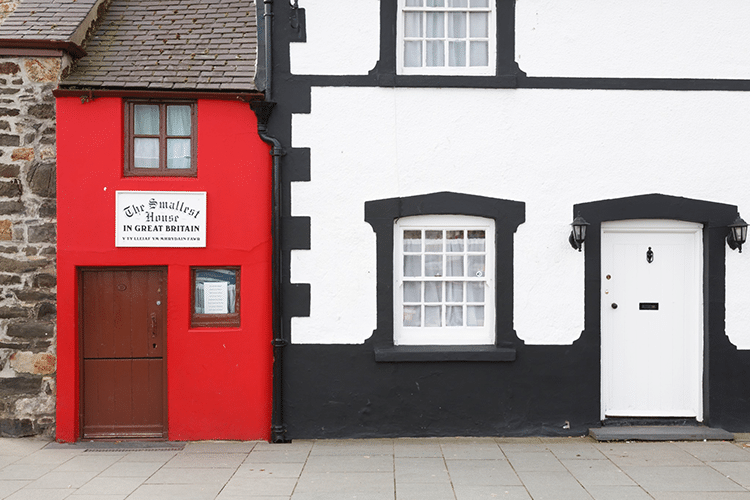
{"points": [[652, 319]]}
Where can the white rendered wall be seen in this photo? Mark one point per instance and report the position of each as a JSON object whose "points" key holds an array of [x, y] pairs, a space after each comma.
{"points": [[567, 38], [343, 38], [634, 38], [548, 148]]}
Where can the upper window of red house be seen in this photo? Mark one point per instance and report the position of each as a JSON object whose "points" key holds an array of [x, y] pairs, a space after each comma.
{"points": [[160, 138]]}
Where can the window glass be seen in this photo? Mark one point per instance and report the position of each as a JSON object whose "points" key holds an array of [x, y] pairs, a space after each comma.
{"points": [[146, 153], [146, 119], [178, 153], [178, 120], [215, 297], [446, 300]]}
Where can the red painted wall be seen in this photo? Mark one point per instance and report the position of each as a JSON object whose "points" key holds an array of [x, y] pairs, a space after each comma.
{"points": [[219, 379]]}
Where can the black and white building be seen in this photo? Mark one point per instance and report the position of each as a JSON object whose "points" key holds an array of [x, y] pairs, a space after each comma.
{"points": [[436, 153]]}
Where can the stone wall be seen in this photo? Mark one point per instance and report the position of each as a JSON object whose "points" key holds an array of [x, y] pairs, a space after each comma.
{"points": [[27, 244]]}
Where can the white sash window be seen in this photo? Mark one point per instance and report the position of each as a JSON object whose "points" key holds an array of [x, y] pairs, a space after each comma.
{"points": [[444, 270], [446, 37]]}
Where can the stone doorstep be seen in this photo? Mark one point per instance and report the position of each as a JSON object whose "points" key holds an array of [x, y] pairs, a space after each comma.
{"points": [[660, 433]]}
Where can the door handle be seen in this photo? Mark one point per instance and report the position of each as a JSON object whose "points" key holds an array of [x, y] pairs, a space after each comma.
{"points": [[153, 324], [614, 306]]}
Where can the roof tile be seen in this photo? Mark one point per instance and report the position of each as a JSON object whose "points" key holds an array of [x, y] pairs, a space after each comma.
{"points": [[172, 44]]}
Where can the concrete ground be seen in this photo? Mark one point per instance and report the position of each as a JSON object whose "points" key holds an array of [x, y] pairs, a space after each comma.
{"points": [[379, 469]]}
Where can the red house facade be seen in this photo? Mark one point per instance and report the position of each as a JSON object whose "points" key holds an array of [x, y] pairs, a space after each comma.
{"points": [[164, 230]]}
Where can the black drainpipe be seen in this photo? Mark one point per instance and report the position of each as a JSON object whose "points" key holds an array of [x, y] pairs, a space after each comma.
{"points": [[263, 111]]}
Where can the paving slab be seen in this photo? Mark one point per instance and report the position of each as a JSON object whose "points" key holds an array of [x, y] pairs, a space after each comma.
{"points": [[417, 447], [553, 486], [421, 470], [597, 473], [336, 485], [480, 492], [422, 491], [647, 454], [681, 478], [534, 461], [482, 472], [721, 451], [606, 492]]}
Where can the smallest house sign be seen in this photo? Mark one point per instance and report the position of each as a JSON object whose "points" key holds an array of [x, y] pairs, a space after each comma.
{"points": [[160, 219]]}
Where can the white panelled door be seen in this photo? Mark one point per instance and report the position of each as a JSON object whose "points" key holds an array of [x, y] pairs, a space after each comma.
{"points": [[652, 319]]}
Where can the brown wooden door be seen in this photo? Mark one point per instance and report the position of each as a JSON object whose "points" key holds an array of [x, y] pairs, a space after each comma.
{"points": [[123, 328]]}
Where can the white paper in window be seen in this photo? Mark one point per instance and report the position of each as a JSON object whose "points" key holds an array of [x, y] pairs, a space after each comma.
{"points": [[216, 297]]}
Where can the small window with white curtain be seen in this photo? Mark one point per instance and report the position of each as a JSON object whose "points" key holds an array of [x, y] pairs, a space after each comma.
{"points": [[160, 139], [446, 37], [445, 280]]}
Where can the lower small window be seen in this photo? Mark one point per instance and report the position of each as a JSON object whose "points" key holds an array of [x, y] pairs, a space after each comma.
{"points": [[445, 290], [215, 297]]}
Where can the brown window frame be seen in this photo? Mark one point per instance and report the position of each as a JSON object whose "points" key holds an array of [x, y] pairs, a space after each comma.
{"points": [[130, 136], [229, 320]]}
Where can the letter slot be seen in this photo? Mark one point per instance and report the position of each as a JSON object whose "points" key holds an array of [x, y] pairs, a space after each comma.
{"points": [[648, 306]]}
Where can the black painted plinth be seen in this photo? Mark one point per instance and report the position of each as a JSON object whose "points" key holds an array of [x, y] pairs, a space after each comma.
{"points": [[661, 433]]}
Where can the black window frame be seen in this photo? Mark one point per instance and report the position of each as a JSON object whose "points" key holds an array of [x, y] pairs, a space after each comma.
{"points": [[506, 68], [507, 214], [129, 170]]}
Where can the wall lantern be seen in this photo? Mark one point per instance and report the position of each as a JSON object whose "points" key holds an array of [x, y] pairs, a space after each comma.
{"points": [[578, 234], [737, 234]]}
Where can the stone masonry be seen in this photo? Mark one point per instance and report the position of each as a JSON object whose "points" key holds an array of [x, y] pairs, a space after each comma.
{"points": [[27, 243]]}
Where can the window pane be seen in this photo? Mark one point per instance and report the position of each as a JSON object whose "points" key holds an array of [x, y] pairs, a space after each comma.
{"points": [[433, 265], [435, 25], [434, 241], [413, 54], [454, 316], [476, 241], [412, 265], [432, 316], [215, 291], [412, 291], [435, 53], [475, 292], [478, 22], [480, 3], [457, 3], [457, 25], [454, 291], [413, 24], [146, 119], [479, 54], [457, 54], [412, 241], [435, 3], [146, 153], [412, 316], [413, 3], [476, 266], [178, 120], [454, 241], [178, 153], [455, 265], [475, 316], [433, 291]]}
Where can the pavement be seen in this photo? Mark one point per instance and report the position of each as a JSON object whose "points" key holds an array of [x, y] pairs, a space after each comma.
{"points": [[377, 469]]}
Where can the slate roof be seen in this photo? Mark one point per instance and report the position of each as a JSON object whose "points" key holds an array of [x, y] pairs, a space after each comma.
{"points": [[171, 44], [55, 20]]}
